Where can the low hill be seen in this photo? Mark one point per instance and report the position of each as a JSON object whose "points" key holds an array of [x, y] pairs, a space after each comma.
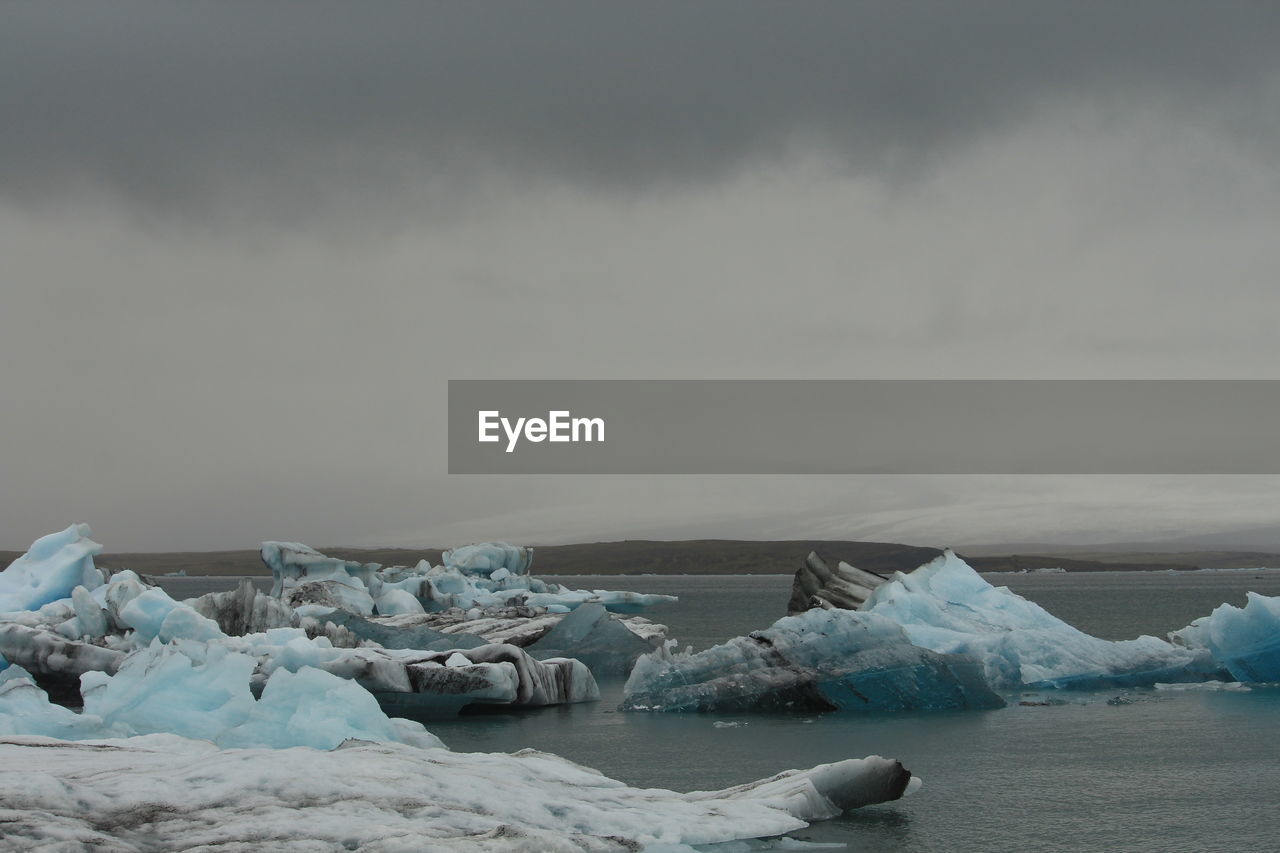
{"points": [[704, 556]]}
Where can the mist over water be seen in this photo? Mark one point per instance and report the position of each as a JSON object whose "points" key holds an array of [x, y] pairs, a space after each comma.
{"points": [[1151, 771]]}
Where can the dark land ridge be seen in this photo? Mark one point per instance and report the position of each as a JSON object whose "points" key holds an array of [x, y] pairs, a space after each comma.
{"points": [[706, 557]]}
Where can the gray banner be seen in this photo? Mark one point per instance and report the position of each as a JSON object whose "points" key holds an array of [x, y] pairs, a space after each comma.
{"points": [[863, 427]]}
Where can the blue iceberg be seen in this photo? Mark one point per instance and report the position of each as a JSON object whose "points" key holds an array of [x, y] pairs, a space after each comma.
{"points": [[1245, 641], [53, 566], [820, 660], [946, 606]]}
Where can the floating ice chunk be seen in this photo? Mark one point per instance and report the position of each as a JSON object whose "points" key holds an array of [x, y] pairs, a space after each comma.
{"points": [[330, 593], [1246, 641], [391, 797], [1206, 687], [313, 708], [400, 632], [53, 566], [243, 610], [456, 659], [820, 660], [946, 606], [93, 618], [818, 585], [202, 690], [153, 614], [592, 635], [397, 601], [479, 577], [192, 689], [26, 709], [489, 557], [292, 562], [47, 653]]}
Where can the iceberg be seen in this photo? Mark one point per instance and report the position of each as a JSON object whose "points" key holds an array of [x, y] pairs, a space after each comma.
{"points": [[816, 584], [820, 660], [946, 606], [412, 680], [489, 558], [51, 568], [1245, 641], [486, 576], [204, 692], [169, 792], [605, 642], [602, 641], [244, 610]]}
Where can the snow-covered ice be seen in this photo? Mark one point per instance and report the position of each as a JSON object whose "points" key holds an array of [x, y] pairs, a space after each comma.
{"points": [[169, 792]]}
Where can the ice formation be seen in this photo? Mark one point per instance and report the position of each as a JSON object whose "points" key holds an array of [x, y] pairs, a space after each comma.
{"points": [[818, 585], [48, 572], [820, 660], [1245, 641], [486, 576], [164, 791], [946, 606], [607, 643], [204, 691], [54, 645]]}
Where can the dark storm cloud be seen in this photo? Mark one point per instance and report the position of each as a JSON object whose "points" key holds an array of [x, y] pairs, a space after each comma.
{"points": [[278, 104]]}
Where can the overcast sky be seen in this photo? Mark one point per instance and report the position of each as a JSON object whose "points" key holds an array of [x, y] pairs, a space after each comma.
{"points": [[243, 247]]}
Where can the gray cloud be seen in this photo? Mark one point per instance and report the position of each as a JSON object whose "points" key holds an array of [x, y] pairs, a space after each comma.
{"points": [[287, 108], [604, 190]]}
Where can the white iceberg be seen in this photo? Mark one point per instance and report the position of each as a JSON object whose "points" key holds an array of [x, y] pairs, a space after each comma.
{"points": [[167, 792], [946, 606]]}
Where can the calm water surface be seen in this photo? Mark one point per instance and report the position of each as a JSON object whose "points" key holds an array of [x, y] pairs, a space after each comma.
{"points": [[1162, 771]]}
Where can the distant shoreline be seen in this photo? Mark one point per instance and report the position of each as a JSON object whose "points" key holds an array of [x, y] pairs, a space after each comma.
{"points": [[703, 557]]}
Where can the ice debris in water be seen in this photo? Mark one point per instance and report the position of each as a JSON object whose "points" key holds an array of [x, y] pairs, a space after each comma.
{"points": [[490, 575], [946, 606], [819, 660], [409, 680]]}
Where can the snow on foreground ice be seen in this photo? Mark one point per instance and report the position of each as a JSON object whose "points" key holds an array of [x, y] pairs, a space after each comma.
{"points": [[946, 606], [819, 660], [167, 792]]}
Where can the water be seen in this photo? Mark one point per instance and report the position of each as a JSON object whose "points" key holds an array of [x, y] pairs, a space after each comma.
{"points": [[1167, 771]]}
